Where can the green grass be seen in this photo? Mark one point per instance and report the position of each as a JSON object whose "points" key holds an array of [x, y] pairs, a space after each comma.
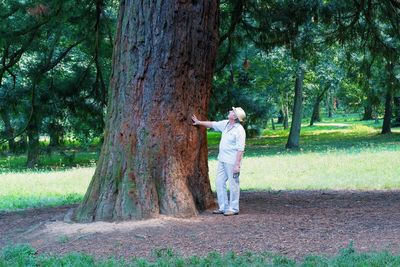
{"points": [[345, 155], [321, 138], [37, 189], [366, 169], [333, 155], [24, 255]]}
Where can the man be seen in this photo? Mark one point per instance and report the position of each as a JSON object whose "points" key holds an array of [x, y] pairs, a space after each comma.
{"points": [[231, 148]]}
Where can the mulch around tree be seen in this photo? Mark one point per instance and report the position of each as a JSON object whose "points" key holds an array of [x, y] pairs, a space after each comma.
{"points": [[290, 223]]}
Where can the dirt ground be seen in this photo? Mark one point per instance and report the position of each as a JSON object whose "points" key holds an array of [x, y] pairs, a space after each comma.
{"points": [[291, 223]]}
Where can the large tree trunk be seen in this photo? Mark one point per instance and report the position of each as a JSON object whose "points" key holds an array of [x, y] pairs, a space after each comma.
{"points": [[153, 161], [386, 127], [294, 135], [315, 115], [9, 130]]}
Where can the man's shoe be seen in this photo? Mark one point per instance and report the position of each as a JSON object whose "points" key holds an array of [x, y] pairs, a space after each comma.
{"points": [[230, 213], [218, 212]]}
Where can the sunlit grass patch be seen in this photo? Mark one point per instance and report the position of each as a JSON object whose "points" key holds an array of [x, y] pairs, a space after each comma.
{"points": [[365, 169], [37, 189]]}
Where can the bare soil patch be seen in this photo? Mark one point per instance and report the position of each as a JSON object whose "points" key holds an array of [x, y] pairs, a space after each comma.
{"points": [[291, 223]]}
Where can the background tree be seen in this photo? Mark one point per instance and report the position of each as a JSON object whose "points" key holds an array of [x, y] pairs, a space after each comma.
{"points": [[61, 72], [376, 25], [291, 25], [327, 73]]}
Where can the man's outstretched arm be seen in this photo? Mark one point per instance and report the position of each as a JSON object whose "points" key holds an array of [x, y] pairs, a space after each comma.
{"points": [[207, 124]]}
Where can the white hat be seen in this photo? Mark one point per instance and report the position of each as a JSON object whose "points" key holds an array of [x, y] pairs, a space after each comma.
{"points": [[240, 114]]}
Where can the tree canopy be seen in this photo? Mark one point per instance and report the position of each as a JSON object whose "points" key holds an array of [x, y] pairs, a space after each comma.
{"points": [[56, 65]]}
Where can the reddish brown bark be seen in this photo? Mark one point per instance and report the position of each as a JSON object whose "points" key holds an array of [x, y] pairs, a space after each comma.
{"points": [[153, 160]]}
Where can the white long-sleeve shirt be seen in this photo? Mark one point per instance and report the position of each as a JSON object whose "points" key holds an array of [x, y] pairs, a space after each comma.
{"points": [[232, 140]]}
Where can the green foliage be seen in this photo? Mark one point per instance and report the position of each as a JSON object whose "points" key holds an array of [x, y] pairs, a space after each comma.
{"points": [[24, 255], [52, 161], [18, 255], [58, 57], [260, 88]]}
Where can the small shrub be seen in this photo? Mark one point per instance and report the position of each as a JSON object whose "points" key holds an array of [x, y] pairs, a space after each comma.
{"points": [[253, 132], [18, 255]]}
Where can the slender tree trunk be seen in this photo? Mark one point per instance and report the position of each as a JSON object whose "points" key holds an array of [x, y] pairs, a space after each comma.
{"points": [[329, 104], [315, 115], [153, 161], [9, 130], [56, 134], [54, 139], [22, 144], [368, 107], [231, 75], [396, 102], [272, 124], [368, 110], [375, 115], [280, 117], [33, 143], [285, 109], [294, 135], [386, 127], [286, 119]]}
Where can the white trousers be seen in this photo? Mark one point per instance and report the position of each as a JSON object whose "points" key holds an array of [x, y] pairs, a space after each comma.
{"points": [[224, 174]]}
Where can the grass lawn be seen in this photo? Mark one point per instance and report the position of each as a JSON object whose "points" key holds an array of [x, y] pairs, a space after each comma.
{"points": [[36, 189], [364, 169], [24, 255], [334, 155]]}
